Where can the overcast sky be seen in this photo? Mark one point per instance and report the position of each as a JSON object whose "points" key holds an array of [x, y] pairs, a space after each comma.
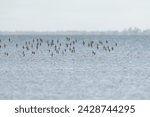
{"points": [[89, 15]]}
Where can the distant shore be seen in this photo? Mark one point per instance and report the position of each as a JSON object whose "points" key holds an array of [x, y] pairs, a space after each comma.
{"points": [[75, 33], [129, 31]]}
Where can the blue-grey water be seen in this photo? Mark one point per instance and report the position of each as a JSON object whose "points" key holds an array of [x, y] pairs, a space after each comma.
{"points": [[74, 67]]}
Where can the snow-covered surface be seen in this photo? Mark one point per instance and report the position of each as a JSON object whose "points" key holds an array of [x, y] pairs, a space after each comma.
{"points": [[89, 73]]}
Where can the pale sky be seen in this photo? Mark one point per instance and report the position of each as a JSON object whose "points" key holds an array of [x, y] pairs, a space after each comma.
{"points": [[58, 15]]}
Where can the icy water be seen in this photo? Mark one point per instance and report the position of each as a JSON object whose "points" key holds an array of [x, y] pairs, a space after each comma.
{"points": [[74, 67]]}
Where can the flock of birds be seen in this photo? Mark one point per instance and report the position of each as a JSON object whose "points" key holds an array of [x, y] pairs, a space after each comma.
{"points": [[56, 46]]}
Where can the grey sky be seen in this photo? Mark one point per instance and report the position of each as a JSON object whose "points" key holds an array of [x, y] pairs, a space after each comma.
{"points": [[52, 15]]}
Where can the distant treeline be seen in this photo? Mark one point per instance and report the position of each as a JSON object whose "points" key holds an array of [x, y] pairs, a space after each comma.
{"points": [[130, 31]]}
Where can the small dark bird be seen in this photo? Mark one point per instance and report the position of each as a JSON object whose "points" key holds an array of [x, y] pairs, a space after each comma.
{"points": [[66, 45], [37, 47], [83, 42], [41, 40], [104, 48], [4, 45], [97, 46], [27, 48], [101, 42], [94, 53], [5, 53], [23, 53], [33, 52], [52, 54], [68, 39], [31, 45], [57, 41], [33, 40]]}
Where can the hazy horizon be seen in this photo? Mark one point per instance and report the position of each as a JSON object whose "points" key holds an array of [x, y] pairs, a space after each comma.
{"points": [[73, 15], [127, 29]]}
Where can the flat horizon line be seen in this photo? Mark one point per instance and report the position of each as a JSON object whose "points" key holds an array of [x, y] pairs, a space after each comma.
{"points": [[129, 31], [111, 30]]}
